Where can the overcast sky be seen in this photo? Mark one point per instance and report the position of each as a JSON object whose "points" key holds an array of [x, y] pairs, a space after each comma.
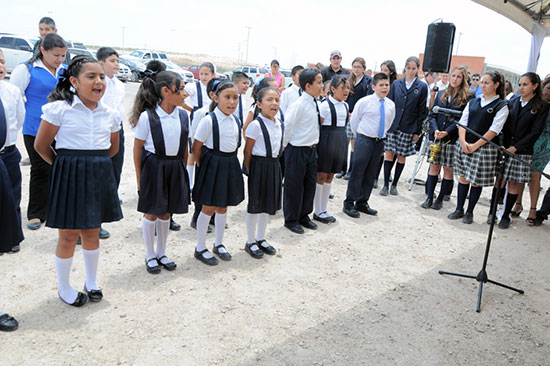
{"points": [[293, 31]]}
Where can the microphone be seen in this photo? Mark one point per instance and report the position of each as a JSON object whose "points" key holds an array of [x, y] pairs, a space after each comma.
{"points": [[447, 112]]}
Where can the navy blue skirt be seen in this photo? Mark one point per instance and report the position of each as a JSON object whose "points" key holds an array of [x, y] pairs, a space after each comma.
{"points": [[332, 149], [83, 191], [164, 186], [10, 226], [264, 185], [218, 180]]}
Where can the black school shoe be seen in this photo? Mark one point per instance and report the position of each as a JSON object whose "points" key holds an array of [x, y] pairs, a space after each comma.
{"points": [[365, 208], [324, 220], [427, 204], [295, 228], [223, 256], [504, 223], [93, 295], [8, 323], [208, 261], [457, 214], [174, 226], [254, 253], [81, 299], [103, 234], [307, 223], [351, 212], [154, 269], [437, 205], [170, 266], [266, 248]]}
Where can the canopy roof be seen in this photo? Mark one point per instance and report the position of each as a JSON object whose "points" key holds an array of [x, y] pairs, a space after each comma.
{"points": [[522, 12]]}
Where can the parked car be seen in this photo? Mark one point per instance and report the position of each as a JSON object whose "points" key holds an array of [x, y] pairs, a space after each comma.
{"points": [[137, 68], [72, 44], [79, 51], [254, 73], [147, 55], [194, 69], [16, 49], [187, 76], [288, 77], [124, 73]]}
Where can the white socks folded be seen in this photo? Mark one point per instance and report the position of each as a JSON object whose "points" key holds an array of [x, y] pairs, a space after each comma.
{"points": [[256, 222], [91, 260], [162, 228], [202, 228], [322, 194], [63, 270], [148, 228], [317, 199]]}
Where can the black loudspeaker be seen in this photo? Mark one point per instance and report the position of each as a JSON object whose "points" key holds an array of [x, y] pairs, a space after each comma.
{"points": [[439, 47]]}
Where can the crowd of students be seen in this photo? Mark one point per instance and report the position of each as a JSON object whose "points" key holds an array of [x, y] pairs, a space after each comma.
{"points": [[72, 115]]}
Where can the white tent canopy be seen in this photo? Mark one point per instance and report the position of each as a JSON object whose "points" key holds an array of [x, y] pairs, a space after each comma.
{"points": [[532, 15]]}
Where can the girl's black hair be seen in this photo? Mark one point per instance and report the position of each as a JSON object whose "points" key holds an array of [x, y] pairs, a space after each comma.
{"points": [[50, 41], [497, 77], [337, 81], [64, 88], [212, 85], [217, 89], [274, 62], [537, 95], [393, 71], [149, 93], [260, 97], [210, 65], [264, 83]]}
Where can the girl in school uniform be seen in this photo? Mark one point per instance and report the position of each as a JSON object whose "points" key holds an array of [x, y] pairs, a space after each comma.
{"points": [[36, 79], [264, 146], [331, 149], [83, 192], [455, 97], [476, 159], [264, 83], [276, 75], [219, 182], [524, 125], [163, 184], [409, 95]]}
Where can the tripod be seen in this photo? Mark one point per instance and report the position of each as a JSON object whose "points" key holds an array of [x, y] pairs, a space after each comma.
{"points": [[422, 154]]}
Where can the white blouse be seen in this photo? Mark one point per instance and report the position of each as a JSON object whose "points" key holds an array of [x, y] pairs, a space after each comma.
{"points": [[171, 130], [79, 127], [114, 95], [229, 132], [254, 131], [341, 112], [14, 109]]}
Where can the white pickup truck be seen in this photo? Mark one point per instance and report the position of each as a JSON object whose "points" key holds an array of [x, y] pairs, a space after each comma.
{"points": [[16, 49]]}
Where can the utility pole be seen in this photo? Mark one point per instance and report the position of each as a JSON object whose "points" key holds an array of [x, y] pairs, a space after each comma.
{"points": [[247, 42], [123, 28], [458, 43]]}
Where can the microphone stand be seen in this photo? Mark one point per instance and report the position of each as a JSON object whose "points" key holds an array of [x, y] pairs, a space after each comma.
{"points": [[482, 276]]}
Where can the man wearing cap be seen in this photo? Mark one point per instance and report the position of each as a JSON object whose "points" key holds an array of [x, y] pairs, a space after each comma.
{"points": [[334, 69]]}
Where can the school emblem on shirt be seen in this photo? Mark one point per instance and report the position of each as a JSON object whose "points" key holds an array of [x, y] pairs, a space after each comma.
{"points": [[534, 111], [490, 110], [416, 91]]}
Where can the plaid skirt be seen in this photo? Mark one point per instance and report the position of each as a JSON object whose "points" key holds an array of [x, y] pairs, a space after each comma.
{"points": [[349, 134], [401, 143], [446, 156], [516, 171], [478, 168]]}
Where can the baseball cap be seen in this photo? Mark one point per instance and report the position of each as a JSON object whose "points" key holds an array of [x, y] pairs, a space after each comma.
{"points": [[335, 53]]}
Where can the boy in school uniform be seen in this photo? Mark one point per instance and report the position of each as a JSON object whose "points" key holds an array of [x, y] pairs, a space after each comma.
{"points": [[292, 93], [114, 98], [12, 115], [371, 119], [240, 79], [300, 139]]}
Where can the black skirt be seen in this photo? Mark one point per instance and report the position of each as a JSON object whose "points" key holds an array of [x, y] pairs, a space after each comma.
{"points": [[83, 191], [218, 180], [164, 186], [10, 226], [264, 185], [332, 149]]}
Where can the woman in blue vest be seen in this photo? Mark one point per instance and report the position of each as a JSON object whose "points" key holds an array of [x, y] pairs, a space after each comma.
{"points": [[37, 78]]}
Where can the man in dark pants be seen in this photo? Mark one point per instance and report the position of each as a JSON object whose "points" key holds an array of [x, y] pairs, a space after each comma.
{"points": [[301, 137], [371, 119]]}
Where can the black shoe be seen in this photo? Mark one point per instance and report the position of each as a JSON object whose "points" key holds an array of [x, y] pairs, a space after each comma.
{"points": [[393, 190], [254, 253], [324, 220], [375, 184], [266, 248], [458, 214], [351, 212], [330, 196], [155, 268], [194, 226], [103, 234], [489, 219], [174, 226], [447, 197], [223, 256], [93, 295], [170, 266], [365, 208], [427, 204], [340, 175], [504, 223], [307, 223], [15, 249], [81, 299], [212, 261], [384, 191], [295, 228], [437, 205], [468, 218], [347, 175], [8, 323]]}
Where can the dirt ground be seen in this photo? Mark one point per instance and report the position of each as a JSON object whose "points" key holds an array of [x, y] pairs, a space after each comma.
{"points": [[357, 292]]}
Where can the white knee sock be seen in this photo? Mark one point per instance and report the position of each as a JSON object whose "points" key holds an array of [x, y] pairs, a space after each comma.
{"points": [[163, 227], [91, 259], [251, 222], [148, 228], [63, 269], [324, 196], [262, 226], [191, 173], [317, 199], [202, 228], [219, 221]]}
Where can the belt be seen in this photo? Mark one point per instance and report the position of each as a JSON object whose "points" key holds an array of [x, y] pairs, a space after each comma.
{"points": [[371, 138], [304, 147], [7, 149]]}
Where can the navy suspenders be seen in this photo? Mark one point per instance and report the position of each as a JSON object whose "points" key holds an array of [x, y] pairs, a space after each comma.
{"points": [[158, 137], [216, 131], [333, 115], [267, 139]]}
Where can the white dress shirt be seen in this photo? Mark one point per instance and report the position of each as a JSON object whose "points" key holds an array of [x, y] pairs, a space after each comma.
{"points": [[21, 76], [289, 96], [228, 129], [79, 127], [114, 95], [193, 99], [302, 123], [341, 112], [498, 121], [365, 118], [171, 130], [197, 117], [14, 109], [408, 85], [254, 132]]}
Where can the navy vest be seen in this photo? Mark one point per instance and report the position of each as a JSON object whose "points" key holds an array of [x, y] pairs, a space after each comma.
{"points": [[480, 118]]}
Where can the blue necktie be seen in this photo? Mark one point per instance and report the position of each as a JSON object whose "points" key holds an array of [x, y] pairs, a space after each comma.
{"points": [[300, 92], [241, 108], [3, 126], [382, 124]]}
